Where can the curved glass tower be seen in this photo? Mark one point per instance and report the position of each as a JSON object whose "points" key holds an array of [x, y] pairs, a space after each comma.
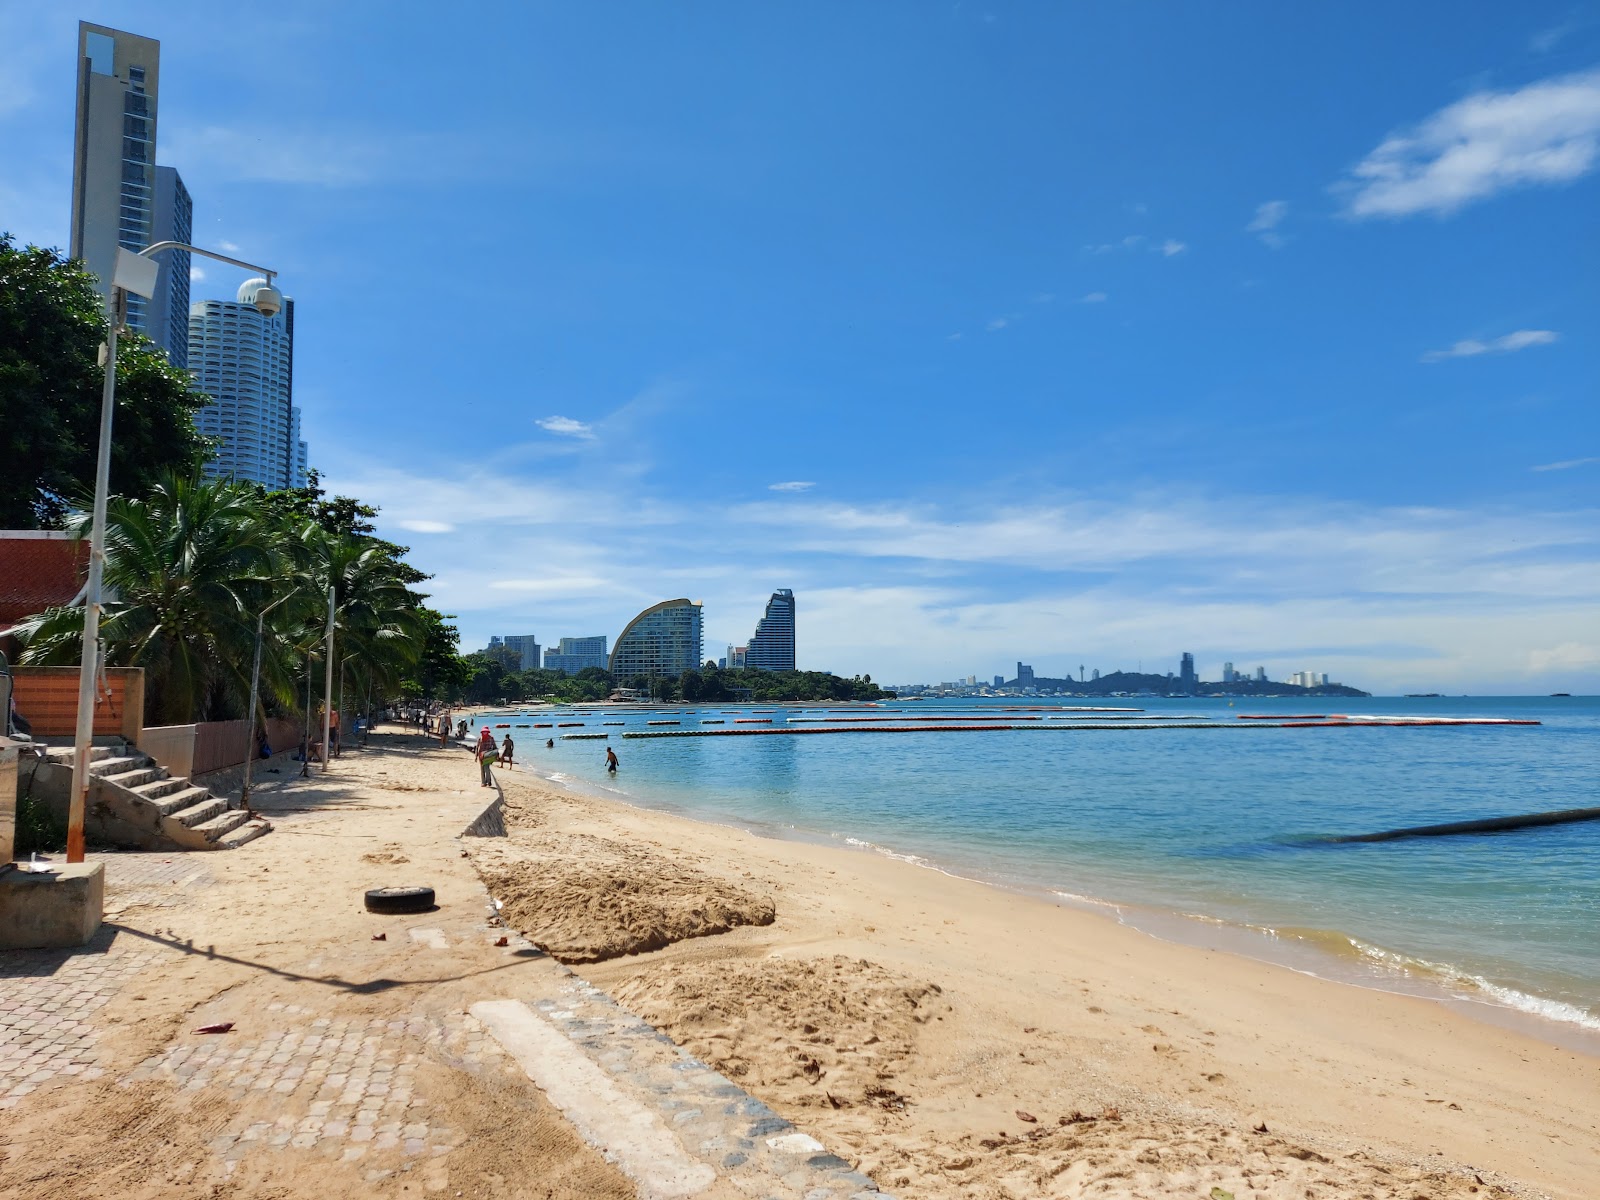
{"points": [[661, 642], [772, 647]]}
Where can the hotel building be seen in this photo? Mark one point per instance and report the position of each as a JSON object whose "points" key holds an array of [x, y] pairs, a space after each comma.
{"points": [[772, 647], [245, 363], [661, 642]]}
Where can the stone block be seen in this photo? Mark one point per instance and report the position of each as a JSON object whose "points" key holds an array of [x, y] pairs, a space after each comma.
{"points": [[51, 909]]}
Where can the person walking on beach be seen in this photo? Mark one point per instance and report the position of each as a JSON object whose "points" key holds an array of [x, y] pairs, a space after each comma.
{"points": [[487, 754], [444, 729], [505, 752], [611, 761]]}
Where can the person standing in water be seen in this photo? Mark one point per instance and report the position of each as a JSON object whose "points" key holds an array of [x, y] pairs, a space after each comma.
{"points": [[611, 760]]}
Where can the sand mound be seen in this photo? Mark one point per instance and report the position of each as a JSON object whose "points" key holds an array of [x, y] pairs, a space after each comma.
{"points": [[1138, 1158], [826, 1032], [586, 899]]}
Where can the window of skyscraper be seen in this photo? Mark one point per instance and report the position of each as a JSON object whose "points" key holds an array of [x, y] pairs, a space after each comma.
{"points": [[101, 51]]}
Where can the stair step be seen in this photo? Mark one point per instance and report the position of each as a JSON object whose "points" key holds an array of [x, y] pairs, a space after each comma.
{"points": [[131, 779], [97, 753], [230, 820], [248, 832], [114, 764], [161, 787], [174, 802], [197, 816]]}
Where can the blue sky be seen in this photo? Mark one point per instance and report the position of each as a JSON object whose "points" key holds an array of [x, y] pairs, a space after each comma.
{"points": [[1064, 333]]}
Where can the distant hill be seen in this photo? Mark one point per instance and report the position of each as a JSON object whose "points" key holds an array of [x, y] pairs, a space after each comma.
{"points": [[1135, 681]]}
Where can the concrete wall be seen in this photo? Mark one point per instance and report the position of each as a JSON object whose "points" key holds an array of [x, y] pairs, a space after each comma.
{"points": [[172, 746]]}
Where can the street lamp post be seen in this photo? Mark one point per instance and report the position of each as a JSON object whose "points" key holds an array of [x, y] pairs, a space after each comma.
{"points": [[255, 679], [134, 272]]}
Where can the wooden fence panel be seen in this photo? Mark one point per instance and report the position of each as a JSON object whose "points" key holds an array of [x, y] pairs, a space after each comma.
{"points": [[48, 698]]}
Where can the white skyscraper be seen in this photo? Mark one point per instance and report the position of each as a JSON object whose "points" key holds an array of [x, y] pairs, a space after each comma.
{"points": [[245, 363]]}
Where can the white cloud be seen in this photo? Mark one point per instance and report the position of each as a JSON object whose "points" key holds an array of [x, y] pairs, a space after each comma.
{"points": [[792, 485], [1093, 298], [1132, 242], [228, 247], [1568, 656], [1172, 246], [1568, 464], [417, 525], [565, 426], [1266, 221], [1044, 297], [1509, 343], [196, 273], [1391, 598], [1545, 133], [996, 324]]}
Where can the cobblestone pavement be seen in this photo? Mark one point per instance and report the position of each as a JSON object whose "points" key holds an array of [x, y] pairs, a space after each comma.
{"points": [[347, 1087], [153, 880], [48, 999]]}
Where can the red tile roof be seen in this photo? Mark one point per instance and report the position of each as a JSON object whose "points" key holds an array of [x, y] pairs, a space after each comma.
{"points": [[37, 572]]}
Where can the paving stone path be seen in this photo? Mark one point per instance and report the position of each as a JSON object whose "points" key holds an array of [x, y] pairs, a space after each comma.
{"points": [[48, 998], [344, 1088], [716, 1120]]}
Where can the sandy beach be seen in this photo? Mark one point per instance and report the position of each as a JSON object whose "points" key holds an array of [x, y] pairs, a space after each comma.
{"points": [[961, 1040]]}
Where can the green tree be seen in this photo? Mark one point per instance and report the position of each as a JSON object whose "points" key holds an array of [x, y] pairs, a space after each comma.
{"points": [[188, 568], [52, 325]]}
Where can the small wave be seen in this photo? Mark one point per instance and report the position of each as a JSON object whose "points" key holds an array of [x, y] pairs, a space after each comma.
{"points": [[1090, 901], [1467, 986]]}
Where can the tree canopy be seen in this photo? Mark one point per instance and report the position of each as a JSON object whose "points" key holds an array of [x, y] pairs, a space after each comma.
{"points": [[191, 567], [52, 325]]}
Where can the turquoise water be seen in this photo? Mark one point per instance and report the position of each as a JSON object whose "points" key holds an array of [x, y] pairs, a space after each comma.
{"points": [[1206, 835]]}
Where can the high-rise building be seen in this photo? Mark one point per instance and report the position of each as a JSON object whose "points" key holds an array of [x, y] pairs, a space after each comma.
{"points": [[576, 654], [736, 657], [524, 647], [1097, 673], [168, 310], [999, 681], [772, 647], [1228, 673], [1024, 675], [244, 362], [1186, 675], [1261, 674], [114, 153], [661, 642]]}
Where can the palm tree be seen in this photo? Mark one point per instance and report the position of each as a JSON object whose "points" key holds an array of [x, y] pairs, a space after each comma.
{"points": [[186, 570], [378, 629]]}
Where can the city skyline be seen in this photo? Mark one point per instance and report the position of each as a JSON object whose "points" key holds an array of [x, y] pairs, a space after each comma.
{"points": [[1130, 340]]}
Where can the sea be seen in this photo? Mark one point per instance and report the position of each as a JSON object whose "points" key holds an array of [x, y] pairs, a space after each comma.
{"points": [[1214, 837]]}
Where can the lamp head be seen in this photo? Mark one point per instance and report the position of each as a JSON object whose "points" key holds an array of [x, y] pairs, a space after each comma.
{"points": [[267, 299]]}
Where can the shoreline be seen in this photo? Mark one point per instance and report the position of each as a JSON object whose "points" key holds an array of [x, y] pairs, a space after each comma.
{"points": [[1306, 951], [1199, 1039]]}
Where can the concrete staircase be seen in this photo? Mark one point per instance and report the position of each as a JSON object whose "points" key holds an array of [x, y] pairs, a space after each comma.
{"points": [[133, 795]]}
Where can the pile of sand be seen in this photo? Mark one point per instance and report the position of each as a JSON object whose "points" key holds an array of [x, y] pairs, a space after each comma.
{"points": [[585, 899], [1126, 1158], [828, 1032]]}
